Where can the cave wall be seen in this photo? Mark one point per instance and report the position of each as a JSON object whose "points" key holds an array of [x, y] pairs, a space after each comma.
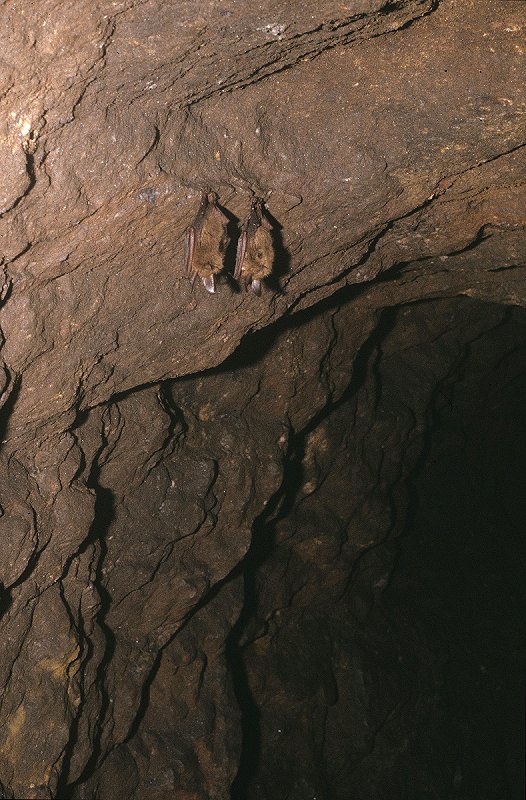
{"points": [[348, 646], [153, 435]]}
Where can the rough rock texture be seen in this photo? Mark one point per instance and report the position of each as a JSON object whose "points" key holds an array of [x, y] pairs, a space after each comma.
{"points": [[153, 435]]}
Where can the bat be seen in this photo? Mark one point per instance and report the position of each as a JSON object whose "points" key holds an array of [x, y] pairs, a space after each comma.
{"points": [[255, 249], [205, 242]]}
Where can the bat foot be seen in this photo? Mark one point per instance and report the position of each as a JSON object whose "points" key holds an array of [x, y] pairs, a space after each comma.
{"points": [[189, 244], [209, 284], [256, 287]]}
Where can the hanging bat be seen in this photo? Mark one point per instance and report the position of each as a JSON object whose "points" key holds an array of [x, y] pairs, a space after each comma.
{"points": [[205, 243], [255, 249]]}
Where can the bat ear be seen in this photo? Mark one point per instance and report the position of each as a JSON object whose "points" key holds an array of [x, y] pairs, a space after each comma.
{"points": [[210, 284], [256, 287]]}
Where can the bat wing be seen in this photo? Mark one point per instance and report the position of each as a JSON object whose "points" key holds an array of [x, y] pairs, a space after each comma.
{"points": [[240, 255], [189, 244]]}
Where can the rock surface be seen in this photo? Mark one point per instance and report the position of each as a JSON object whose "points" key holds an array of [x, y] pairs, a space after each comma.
{"points": [[154, 435]]}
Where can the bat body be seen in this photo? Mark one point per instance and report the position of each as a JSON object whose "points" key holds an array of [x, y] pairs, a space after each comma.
{"points": [[255, 249], [206, 241]]}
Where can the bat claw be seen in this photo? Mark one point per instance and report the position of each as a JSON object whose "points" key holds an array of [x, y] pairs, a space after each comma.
{"points": [[209, 284], [240, 255], [189, 243]]}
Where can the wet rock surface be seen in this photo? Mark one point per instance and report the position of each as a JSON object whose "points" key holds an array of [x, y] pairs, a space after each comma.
{"points": [[217, 512]]}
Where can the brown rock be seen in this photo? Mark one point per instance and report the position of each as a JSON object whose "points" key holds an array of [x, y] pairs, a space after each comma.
{"points": [[152, 437]]}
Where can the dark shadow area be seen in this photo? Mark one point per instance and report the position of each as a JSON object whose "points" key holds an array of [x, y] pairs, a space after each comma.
{"points": [[13, 387], [104, 514], [232, 229], [459, 577], [262, 545], [443, 645], [282, 256]]}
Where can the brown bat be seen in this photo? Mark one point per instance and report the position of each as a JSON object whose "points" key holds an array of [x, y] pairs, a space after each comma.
{"points": [[205, 242], [255, 249]]}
